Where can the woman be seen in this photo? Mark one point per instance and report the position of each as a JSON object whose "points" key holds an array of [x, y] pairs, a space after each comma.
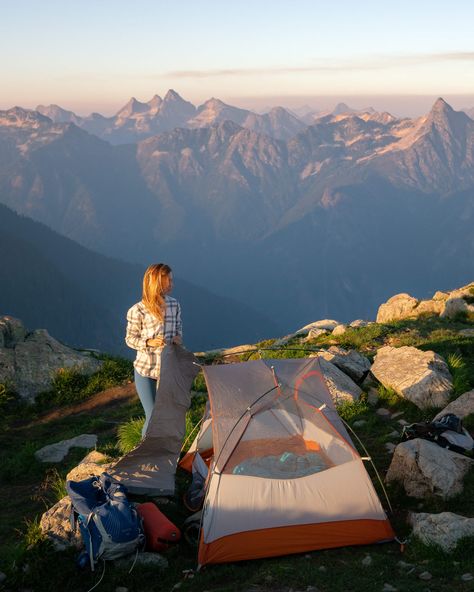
{"points": [[153, 322]]}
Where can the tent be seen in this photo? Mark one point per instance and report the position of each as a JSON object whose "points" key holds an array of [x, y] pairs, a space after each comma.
{"points": [[284, 475]]}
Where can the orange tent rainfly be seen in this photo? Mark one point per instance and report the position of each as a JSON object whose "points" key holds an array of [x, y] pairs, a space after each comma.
{"points": [[284, 476]]}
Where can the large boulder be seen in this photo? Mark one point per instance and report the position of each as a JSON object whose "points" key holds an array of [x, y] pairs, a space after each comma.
{"points": [[55, 522], [341, 387], [29, 361], [56, 526], [397, 307], [424, 468], [444, 529], [462, 406], [92, 464], [349, 361], [421, 377]]}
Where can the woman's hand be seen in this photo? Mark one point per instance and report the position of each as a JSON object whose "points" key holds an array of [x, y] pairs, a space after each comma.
{"points": [[177, 339], [156, 342]]}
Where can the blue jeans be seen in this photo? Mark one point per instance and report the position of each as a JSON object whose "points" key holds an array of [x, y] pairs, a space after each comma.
{"points": [[146, 389]]}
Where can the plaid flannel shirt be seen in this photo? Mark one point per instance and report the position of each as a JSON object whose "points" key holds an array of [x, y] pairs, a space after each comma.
{"points": [[142, 325]]}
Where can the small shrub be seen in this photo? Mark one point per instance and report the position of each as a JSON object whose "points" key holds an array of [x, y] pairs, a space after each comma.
{"points": [[460, 373], [33, 533], [71, 386], [67, 387], [388, 396], [114, 371], [199, 384], [56, 484], [130, 434], [350, 410]]}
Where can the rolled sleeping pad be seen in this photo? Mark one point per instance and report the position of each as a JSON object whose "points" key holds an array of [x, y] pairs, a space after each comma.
{"points": [[160, 533]]}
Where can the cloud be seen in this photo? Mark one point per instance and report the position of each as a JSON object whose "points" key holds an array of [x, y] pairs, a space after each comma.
{"points": [[360, 64]]}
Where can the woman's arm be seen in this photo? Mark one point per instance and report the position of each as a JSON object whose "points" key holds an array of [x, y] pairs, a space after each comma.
{"points": [[133, 337]]}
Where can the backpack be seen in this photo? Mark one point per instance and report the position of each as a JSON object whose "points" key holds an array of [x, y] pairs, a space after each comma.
{"points": [[110, 526], [447, 432]]}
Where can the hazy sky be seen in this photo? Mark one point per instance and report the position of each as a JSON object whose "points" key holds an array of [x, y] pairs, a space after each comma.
{"points": [[94, 55]]}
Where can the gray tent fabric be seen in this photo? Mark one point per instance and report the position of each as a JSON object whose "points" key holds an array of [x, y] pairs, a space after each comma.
{"points": [[150, 468], [235, 394]]}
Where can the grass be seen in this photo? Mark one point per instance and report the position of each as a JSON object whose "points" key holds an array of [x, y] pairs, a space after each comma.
{"points": [[460, 374], [130, 434], [71, 386]]}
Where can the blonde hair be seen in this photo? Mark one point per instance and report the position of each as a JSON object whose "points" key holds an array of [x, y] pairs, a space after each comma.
{"points": [[152, 295]]}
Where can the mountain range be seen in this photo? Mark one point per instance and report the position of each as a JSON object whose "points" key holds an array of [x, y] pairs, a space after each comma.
{"points": [[296, 220]]}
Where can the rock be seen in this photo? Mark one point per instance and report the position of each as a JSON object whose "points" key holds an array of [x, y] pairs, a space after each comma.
{"points": [[350, 361], [56, 452], [94, 463], [440, 295], [322, 568], [147, 559], [390, 447], [367, 561], [429, 308], [403, 422], [421, 377], [383, 412], [56, 525], [29, 361], [467, 332], [239, 349], [339, 330], [389, 588], [359, 423], [424, 468], [405, 565], [467, 577], [425, 575], [462, 406], [121, 589], [444, 529], [341, 387], [359, 323], [454, 306], [12, 332], [315, 333], [397, 307], [373, 396], [397, 414], [326, 324]]}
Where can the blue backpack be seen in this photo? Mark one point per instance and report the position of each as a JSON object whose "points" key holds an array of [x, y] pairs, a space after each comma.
{"points": [[110, 526]]}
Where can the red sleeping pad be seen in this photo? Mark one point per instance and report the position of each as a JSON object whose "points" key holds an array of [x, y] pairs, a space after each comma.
{"points": [[160, 532]]}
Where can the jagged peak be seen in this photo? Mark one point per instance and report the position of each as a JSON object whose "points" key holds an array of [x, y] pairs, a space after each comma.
{"points": [[172, 95], [341, 108], [155, 101], [131, 107], [443, 114], [441, 106]]}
